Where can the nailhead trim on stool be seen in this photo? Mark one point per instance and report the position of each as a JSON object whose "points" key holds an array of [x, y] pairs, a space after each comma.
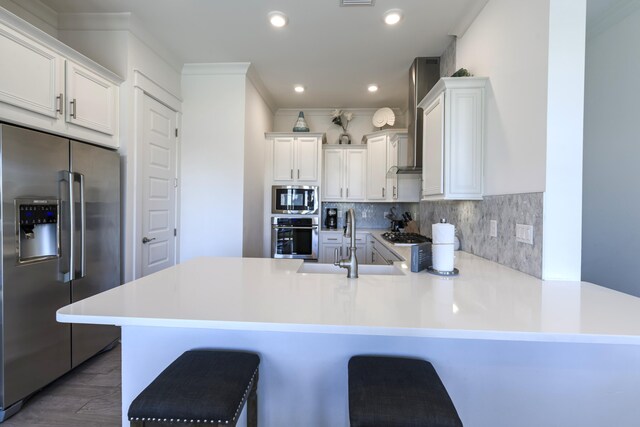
{"points": [[200, 386], [398, 392]]}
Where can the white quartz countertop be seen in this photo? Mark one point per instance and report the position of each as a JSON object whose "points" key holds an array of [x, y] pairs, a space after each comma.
{"points": [[486, 301]]}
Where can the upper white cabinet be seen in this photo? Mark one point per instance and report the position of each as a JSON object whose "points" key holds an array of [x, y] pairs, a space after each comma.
{"points": [[377, 168], [386, 149], [32, 76], [91, 99], [344, 174], [46, 85], [296, 158], [453, 138]]}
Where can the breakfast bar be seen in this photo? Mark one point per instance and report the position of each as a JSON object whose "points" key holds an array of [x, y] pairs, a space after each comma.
{"points": [[511, 349]]}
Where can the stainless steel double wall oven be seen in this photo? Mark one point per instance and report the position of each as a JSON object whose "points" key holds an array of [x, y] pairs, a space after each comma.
{"points": [[294, 228]]}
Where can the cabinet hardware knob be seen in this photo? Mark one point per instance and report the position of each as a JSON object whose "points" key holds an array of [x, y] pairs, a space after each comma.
{"points": [[291, 174], [298, 173]]}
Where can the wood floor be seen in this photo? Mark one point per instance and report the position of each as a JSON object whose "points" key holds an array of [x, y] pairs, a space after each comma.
{"points": [[87, 396]]}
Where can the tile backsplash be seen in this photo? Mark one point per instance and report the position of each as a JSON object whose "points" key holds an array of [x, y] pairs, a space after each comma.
{"points": [[371, 215], [471, 219]]}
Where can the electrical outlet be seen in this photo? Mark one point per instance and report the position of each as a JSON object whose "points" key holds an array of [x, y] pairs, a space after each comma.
{"points": [[524, 233], [339, 213], [364, 214], [493, 228]]}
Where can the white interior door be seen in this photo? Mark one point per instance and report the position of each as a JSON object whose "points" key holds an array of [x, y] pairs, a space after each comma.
{"points": [[158, 187]]}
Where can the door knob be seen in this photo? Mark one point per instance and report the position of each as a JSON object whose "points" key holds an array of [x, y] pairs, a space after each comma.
{"points": [[146, 240]]}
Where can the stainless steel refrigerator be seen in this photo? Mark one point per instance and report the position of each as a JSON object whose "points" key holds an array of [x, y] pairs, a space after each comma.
{"points": [[60, 243]]}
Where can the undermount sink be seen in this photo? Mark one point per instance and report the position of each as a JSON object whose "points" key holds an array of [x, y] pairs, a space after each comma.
{"points": [[382, 270]]}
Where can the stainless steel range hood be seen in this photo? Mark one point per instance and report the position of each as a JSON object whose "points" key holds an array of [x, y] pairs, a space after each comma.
{"points": [[423, 75]]}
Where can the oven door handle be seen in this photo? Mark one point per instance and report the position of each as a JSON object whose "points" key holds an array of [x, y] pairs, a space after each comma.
{"points": [[279, 227]]}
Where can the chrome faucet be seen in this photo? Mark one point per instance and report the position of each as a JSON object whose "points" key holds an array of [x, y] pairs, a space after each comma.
{"points": [[351, 263]]}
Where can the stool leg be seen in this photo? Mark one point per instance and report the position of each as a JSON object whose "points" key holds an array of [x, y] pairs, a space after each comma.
{"points": [[252, 404]]}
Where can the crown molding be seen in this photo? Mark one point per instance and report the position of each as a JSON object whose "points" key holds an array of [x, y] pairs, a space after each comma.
{"points": [[616, 13], [282, 112], [257, 82], [35, 12], [122, 21], [35, 33], [215, 68]]}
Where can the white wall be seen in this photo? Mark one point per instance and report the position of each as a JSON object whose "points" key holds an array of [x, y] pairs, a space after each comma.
{"points": [[258, 120], [562, 216], [319, 120], [508, 42], [611, 207], [212, 161]]}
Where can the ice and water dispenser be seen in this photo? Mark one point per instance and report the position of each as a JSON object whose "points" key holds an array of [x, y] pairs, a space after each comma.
{"points": [[38, 229]]}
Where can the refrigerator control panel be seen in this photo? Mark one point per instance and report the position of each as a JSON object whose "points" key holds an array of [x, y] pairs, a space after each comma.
{"points": [[38, 214], [37, 229]]}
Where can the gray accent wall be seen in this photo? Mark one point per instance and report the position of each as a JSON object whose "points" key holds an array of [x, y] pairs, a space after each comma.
{"points": [[448, 59], [471, 219], [611, 172]]}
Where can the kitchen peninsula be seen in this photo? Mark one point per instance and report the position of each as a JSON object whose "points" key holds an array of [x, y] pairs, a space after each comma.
{"points": [[511, 349]]}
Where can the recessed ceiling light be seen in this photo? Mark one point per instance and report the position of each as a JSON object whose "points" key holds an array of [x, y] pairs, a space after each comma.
{"points": [[372, 88], [393, 16], [299, 88], [278, 19]]}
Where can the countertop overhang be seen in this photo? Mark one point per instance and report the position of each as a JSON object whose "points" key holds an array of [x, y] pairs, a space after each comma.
{"points": [[486, 301]]}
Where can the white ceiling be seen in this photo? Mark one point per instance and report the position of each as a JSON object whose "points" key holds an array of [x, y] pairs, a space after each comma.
{"points": [[335, 52]]}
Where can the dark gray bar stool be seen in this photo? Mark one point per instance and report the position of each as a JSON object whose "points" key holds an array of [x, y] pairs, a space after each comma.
{"points": [[398, 392], [201, 387]]}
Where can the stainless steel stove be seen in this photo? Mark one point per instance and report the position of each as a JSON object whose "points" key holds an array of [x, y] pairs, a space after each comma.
{"points": [[404, 239]]}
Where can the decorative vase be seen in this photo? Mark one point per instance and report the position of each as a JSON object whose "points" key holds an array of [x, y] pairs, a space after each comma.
{"points": [[344, 138], [301, 124]]}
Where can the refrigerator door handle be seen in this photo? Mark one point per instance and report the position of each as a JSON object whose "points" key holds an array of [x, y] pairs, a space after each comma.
{"points": [[65, 178], [79, 178]]}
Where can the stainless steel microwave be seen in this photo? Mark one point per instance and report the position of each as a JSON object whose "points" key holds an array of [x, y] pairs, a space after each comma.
{"points": [[294, 199]]}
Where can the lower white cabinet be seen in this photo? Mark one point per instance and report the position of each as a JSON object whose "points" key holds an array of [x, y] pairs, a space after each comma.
{"points": [[370, 250], [329, 242], [332, 240]]}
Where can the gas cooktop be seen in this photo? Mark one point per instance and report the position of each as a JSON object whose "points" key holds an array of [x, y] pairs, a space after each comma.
{"points": [[405, 238]]}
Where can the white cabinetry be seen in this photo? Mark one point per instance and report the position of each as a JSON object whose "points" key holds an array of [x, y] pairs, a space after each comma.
{"points": [[332, 240], [46, 85], [386, 149], [91, 99], [453, 135], [31, 74], [296, 158], [377, 167], [344, 174], [329, 242]]}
